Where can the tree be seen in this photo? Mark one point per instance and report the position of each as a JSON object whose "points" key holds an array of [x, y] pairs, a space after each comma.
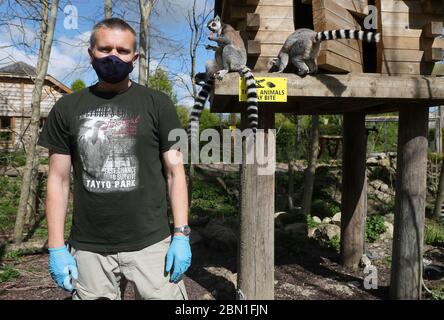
{"points": [[78, 85], [48, 20], [159, 81], [145, 7], [313, 152]]}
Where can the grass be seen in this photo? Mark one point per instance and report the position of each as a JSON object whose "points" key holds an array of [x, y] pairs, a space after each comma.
{"points": [[434, 234], [8, 273]]}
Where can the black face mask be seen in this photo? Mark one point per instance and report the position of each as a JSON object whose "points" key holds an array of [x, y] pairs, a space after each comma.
{"points": [[112, 69]]}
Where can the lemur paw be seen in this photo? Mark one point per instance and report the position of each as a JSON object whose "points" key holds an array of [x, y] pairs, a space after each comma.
{"points": [[303, 71], [219, 75]]}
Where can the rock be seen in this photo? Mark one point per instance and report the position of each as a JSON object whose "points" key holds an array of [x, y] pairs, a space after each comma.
{"points": [[329, 231], [220, 237], [376, 184], [384, 162], [299, 228], [195, 237], [285, 218], [372, 161], [312, 232], [224, 273], [365, 261], [336, 218], [384, 187], [317, 219], [207, 296], [390, 217], [326, 220], [388, 234]]}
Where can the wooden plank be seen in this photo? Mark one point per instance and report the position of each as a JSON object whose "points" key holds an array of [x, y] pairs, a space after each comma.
{"points": [[411, 43], [411, 188], [353, 189], [269, 11], [408, 19], [403, 55], [407, 6], [269, 24], [335, 63], [412, 68]]}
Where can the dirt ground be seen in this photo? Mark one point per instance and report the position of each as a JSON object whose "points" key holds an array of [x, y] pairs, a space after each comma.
{"points": [[309, 273]]}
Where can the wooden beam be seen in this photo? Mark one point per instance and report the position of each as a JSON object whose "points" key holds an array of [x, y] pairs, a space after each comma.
{"points": [[406, 270], [354, 190], [256, 230], [253, 47], [253, 21], [433, 54], [357, 86], [433, 29]]}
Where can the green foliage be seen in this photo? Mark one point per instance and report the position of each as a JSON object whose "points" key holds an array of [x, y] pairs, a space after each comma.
{"points": [[208, 120], [159, 81], [8, 273], [438, 293], [434, 234], [9, 201], [209, 197], [13, 255], [310, 222], [334, 243], [183, 114], [374, 228], [78, 85]]}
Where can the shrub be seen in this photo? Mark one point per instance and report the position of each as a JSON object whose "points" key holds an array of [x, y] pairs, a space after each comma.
{"points": [[374, 228]]}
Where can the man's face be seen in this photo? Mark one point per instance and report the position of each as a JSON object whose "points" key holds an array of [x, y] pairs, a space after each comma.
{"points": [[114, 42]]}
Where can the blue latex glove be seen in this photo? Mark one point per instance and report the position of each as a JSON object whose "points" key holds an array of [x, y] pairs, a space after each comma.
{"points": [[62, 267], [178, 253]]}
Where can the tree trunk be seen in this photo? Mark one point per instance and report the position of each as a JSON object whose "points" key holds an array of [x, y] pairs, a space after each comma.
{"points": [[311, 167], [108, 9], [410, 201], [145, 8], [47, 34], [439, 194]]}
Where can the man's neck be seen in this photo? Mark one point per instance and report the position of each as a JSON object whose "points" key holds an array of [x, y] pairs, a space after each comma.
{"points": [[114, 87]]}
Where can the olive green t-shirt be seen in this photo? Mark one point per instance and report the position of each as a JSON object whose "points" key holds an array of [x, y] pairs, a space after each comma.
{"points": [[116, 141]]}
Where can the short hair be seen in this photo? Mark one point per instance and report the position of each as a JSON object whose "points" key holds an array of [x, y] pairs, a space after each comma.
{"points": [[111, 23]]}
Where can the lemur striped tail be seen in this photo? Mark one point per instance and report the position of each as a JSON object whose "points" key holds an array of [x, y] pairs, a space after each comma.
{"points": [[367, 36], [199, 104], [252, 105]]}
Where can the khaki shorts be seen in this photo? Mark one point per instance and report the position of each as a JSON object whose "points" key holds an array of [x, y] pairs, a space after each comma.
{"points": [[100, 274]]}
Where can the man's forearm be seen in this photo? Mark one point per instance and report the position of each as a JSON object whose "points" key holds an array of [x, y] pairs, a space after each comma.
{"points": [[56, 206], [178, 193]]}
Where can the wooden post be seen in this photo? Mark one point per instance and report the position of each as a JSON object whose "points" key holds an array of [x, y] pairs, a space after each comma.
{"points": [[256, 238], [353, 189], [406, 273]]}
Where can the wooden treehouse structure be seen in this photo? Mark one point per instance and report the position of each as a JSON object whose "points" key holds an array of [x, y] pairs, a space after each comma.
{"points": [[354, 79]]}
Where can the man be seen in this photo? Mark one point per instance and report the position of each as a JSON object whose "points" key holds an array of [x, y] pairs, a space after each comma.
{"points": [[115, 135]]}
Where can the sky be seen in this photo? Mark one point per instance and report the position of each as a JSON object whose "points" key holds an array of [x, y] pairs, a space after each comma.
{"points": [[69, 58]]}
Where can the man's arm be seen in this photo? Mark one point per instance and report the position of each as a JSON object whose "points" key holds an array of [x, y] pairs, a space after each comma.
{"points": [[57, 197], [177, 186]]}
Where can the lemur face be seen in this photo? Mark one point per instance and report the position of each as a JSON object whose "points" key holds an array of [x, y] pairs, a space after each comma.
{"points": [[215, 24]]}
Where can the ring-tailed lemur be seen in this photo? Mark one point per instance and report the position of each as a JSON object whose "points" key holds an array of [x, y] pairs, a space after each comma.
{"points": [[230, 56], [302, 47]]}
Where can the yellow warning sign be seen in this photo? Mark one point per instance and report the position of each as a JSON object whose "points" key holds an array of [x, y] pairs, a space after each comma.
{"points": [[268, 89]]}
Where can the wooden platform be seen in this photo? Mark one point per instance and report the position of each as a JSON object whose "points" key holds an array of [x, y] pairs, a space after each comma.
{"points": [[335, 94]]}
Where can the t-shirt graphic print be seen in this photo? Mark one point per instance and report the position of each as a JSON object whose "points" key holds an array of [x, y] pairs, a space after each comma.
{"points": [[106, 140]]}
